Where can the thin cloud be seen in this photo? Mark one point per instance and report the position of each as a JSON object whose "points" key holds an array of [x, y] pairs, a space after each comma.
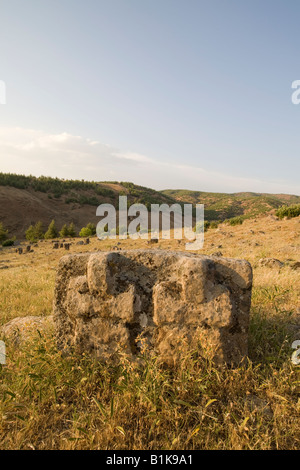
{"points": [[64, 155]]}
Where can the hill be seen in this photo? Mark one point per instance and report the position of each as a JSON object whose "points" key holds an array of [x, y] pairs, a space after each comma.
{"points": [[221, 206], [24, 200]]}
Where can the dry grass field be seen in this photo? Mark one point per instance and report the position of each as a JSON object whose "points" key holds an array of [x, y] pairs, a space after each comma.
{"points": [[52, 402]]}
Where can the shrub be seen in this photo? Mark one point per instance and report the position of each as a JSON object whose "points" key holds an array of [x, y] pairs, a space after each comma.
{"points": [[199, 225], [9, 242], [288, 211], [88, 231], [235, 221], [214, 224]]}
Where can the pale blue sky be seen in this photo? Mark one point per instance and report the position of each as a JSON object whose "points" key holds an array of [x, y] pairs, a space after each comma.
{"points": [[165, 93]]}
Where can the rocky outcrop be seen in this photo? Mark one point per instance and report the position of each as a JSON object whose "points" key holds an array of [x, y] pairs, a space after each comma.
{"points": [[161, 302]]}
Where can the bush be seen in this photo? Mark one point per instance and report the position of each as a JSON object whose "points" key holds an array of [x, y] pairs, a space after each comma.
{"points": [[88, 231], [288, 211], [9, 242], [199, 225], [214, 224], [235, 221]]}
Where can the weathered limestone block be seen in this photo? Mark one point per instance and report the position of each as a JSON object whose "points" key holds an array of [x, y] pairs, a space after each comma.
{"points": [[159, 301]]}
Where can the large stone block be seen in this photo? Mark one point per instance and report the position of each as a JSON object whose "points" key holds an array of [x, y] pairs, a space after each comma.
{"points": [[160, 301]]}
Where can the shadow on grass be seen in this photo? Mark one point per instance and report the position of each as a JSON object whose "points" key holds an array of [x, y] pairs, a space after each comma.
{"points": [[270, 337]]}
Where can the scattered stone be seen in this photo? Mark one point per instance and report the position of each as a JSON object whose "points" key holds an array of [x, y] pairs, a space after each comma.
{"points": [[21, 329], [271, 263], [87, 241], [67, 246], [152, 240], [217, 253], [55, 246], [258, 405], [164, 302], [296, 265], [81, 242]]}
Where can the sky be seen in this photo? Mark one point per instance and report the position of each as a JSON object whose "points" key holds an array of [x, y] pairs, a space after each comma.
{"points": [[168, 94]]}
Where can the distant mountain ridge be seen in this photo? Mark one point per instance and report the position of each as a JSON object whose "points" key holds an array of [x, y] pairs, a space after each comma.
{"points": [[24, 200], [221, 206]]}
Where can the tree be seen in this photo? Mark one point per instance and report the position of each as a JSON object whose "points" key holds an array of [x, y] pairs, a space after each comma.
{"points": [[30, 234], [64, 231], [52, 231], [39, 230], [34, 233], [72, 230], [3, 233]]}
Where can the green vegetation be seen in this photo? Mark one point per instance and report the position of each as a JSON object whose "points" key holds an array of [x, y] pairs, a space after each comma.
{"points": [[52, 231], [218, 206], [34, 233], [67, 231], [221, 206], [199, 225], [55, 186], [235, 221], [288, 211], [9, 242], [3, 233], [146, 196], [88, 231]]}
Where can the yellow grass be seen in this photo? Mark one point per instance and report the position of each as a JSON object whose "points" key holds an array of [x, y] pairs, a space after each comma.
{"points": [[51, 402]]}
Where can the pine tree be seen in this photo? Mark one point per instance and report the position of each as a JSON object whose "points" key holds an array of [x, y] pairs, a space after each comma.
{"points": [[39, 231], [3, 233], [52, 231], [72, 230], [30, 234], [64, 231], [34, 233]]}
